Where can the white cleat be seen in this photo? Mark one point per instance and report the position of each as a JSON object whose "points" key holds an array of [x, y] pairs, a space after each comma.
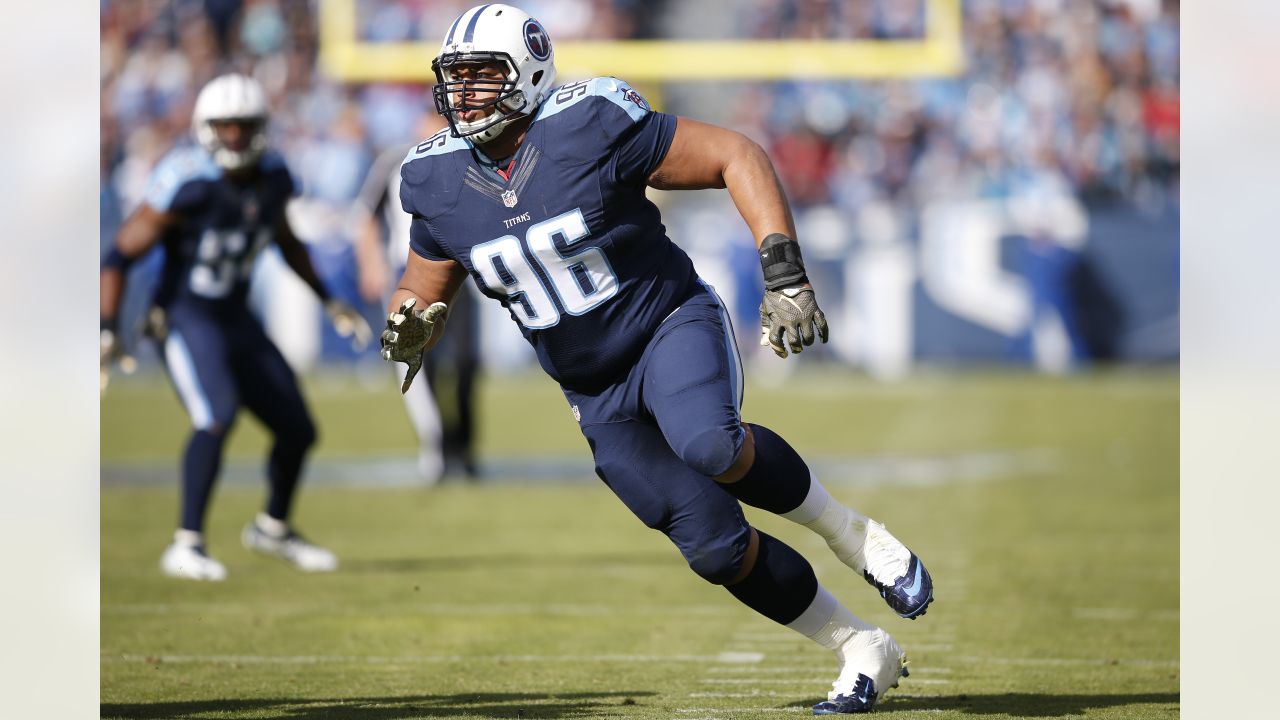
{"points": [[182, 560], [291, 548], [870, 664], [888, 565]]}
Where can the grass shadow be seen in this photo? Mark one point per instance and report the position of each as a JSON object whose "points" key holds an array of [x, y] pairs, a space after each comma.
{"points": [[484, 705], [1028, 705]]}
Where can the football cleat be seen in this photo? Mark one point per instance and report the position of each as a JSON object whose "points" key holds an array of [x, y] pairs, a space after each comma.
{"points": [[871, 663], [292, 548], [183, 560], [886, 564]]}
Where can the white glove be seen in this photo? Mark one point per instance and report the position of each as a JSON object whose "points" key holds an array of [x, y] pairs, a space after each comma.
{"points": [[349, 323]]}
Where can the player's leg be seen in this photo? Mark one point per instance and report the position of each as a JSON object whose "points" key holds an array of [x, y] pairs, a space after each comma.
{"points": [[762, 572], [692, 382], [195, 356], [424, 415], [270, 391]]}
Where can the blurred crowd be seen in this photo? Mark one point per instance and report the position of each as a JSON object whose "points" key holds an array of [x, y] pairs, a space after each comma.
{"points": [[1057, 98], [1085, 89]]}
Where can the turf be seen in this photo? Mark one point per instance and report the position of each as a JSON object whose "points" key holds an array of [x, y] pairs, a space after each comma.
{"points": [[1056, 571]]}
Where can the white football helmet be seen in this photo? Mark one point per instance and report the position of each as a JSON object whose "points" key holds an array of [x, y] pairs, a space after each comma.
{"points": [[231, 97], [494, 34]]}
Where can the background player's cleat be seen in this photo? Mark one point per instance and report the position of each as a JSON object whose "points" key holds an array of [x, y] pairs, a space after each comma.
{"points": [[184, 560], [292, 548], [871, 663]]}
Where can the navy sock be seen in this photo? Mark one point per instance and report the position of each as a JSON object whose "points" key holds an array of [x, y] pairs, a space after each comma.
{"points": [[200, 466], [781, 586], [283, 469], [778, 480]]}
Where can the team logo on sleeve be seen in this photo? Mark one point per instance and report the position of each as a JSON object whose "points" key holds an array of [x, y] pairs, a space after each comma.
{"points": [[536, 39], [634, 97]]}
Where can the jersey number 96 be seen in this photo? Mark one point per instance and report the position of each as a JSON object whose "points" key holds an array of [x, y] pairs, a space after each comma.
{"points": [[580, 281]]}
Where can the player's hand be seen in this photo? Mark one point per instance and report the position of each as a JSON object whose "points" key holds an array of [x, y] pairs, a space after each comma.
{"points": [[408, 333], [349, 323], [789, 318], [110, 350]]}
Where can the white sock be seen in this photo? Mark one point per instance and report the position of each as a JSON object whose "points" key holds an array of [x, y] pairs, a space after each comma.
{"points": [[824, 514], [827, 622], [271, 526], [188, 538]]}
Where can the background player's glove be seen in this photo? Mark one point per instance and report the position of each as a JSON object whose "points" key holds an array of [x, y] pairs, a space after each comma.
{"points": [[790, 316], [111, 352], [349, 323], [408, 333]]}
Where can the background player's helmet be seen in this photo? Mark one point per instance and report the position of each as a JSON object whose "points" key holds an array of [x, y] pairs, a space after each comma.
{"points": [[231, 97], [507, 36]]}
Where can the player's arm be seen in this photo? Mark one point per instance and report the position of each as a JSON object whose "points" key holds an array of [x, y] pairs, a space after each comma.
{"points": [[706, 156], [346, 319], [371, 264], [140, 232], [418, 310]]}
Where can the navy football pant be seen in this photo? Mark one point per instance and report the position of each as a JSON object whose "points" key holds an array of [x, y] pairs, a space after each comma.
{"points": [[661, 434], [217, 365]]}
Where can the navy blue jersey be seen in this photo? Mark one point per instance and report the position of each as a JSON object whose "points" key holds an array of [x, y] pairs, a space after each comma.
{"points": [[566, 240], [209, 252]]}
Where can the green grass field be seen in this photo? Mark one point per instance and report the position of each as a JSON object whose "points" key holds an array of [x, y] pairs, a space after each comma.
{"points": [[1046, 509]]}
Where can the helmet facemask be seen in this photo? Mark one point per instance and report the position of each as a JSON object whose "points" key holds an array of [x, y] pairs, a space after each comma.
{"points": [[450, 94], [232, 99], [229, 158], [495, 35]]}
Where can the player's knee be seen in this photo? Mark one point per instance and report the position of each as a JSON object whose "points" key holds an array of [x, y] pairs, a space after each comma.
{"points": [[300, 433], [712, 452], [718, 560]]}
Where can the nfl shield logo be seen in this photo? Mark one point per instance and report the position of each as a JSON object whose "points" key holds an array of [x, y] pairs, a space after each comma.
{"points": [[509, 198]]}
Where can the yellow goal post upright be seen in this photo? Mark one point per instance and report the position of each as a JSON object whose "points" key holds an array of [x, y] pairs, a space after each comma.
{"points": [[647, 63]]}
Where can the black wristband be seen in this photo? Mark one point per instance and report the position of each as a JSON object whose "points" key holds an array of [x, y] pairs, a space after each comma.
{"points": [[117, 260], [780, 259]]}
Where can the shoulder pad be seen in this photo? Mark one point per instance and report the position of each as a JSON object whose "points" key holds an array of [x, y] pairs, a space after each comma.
{"points": [[611, 89], [420, 193], [185, 164]]}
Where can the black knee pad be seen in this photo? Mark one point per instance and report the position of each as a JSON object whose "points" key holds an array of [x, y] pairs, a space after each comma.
{"points": [[712, 452]]}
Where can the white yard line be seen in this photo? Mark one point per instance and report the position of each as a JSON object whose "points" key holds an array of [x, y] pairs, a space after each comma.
{"points": [[731, 658]]}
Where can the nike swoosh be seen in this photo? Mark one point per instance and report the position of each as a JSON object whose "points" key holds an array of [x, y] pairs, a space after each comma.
{"points": [[914, 589]]}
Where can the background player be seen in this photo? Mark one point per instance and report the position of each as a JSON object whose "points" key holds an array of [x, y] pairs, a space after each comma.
{"points": [[441, 410], [537, 192], [212, 207]]}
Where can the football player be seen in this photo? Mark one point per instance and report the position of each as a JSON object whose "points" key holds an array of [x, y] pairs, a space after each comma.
{"points": [[537, 191], [382, 245], [213, 206]]}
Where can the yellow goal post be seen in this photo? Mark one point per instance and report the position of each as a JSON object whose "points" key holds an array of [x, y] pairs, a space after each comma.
{"points": [[940, 53]]}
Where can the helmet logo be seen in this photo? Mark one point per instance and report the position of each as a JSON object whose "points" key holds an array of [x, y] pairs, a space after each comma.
{"points": [[535, 38]]}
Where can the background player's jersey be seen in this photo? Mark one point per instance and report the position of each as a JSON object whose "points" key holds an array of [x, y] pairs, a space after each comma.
{"points": [[566, 240], [209, 253]]}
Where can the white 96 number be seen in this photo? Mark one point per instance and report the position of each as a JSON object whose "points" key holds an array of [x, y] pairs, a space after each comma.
{"points": [[580, 281]]}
